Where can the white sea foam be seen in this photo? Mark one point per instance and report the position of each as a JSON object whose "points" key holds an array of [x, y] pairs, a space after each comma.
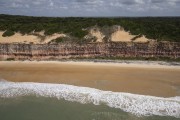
{"points": [[136, 104]]}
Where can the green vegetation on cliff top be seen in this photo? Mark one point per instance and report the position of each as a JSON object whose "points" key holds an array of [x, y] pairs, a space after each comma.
{"points": [[160, 28]]}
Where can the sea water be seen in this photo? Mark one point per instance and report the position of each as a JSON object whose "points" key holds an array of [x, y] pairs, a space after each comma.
{"points": [[42, 101]]}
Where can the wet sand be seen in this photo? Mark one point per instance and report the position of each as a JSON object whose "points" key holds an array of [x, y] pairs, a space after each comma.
{"points": [[157, 80]]}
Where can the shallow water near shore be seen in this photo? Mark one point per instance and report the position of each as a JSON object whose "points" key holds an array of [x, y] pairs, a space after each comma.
{"points": [[41, 108], [59, 101]]}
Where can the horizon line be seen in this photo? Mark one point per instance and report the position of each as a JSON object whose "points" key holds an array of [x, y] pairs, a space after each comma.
{"points": [[90, 16]]}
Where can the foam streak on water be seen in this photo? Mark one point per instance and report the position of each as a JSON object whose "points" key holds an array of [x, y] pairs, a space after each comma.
{"points": [[136, 104]]}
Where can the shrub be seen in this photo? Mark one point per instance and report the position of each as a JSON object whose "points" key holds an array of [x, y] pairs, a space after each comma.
{"points": [[8, 33], [159, 28], [59, 40], [10, 59], [79, 33]]}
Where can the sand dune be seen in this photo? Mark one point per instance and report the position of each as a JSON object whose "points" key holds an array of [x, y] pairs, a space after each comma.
{"points": [[54, 36], [142, 39], [121, 35], [19, 38], [96, 33], [37, 37], [125, 36]]}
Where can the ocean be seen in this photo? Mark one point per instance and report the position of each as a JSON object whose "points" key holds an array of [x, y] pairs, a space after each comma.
{"points": [[44, 101]]}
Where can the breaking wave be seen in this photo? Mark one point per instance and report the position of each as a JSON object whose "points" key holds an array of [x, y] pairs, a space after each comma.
{"points": [[139, 105]]}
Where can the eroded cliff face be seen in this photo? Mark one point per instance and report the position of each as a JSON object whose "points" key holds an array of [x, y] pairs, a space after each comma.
{"points": [[104, 41], [111, 49]]}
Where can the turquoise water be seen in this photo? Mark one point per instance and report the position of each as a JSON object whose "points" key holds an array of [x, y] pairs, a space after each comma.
{"points": [[43, 101], [41, 108]]}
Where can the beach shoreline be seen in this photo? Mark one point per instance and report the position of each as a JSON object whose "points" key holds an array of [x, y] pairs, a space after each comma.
{"points": [[137, 77], [119, 63]]}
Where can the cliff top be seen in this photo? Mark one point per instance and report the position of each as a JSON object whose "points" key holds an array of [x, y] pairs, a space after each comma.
{"points": [[49, 29]]}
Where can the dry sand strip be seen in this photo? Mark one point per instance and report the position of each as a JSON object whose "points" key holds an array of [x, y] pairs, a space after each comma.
{"points": [[155, 80]]}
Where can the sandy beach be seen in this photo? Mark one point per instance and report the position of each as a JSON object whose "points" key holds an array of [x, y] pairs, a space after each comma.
{"points": [[155, 80]]}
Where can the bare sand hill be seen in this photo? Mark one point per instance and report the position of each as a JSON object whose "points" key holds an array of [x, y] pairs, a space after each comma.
{"points": [[120, 35], [96, 33], [142, 39], [19, 38], [37, 37], [125, 36], [54, 36]]}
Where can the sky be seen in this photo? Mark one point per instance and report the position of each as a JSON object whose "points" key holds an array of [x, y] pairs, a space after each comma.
{"points": [[95, 8]]}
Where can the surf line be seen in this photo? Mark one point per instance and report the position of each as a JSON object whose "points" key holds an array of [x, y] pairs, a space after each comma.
{"points": [[139, 105]]}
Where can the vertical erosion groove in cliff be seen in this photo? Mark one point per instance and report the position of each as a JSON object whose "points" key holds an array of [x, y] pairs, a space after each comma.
{"points": [[111, 49]]}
